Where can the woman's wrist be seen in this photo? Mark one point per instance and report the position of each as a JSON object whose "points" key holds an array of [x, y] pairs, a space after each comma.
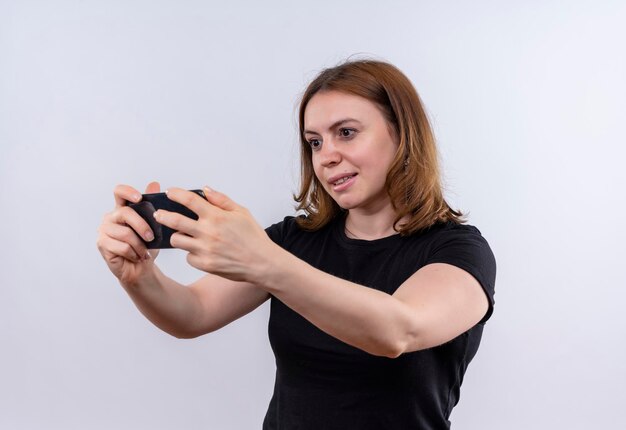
{"points": [[147, 279], [272, 268]]}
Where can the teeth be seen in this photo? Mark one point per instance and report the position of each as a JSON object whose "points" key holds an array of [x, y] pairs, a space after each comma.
{"points": [[342, 180]]}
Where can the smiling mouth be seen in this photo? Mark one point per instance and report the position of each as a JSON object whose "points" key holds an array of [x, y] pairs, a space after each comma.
{"points": [[344, 179]]}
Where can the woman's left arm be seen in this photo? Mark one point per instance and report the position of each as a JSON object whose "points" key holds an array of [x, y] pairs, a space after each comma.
{"points": [[436, 304]]}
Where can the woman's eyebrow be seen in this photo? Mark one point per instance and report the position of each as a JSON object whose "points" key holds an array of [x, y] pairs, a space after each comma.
{"points": [[335, 124]]}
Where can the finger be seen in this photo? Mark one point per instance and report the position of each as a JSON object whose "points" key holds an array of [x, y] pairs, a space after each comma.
{"points": [[126, 235], [153, 187], [182, 241], [220, 200], [119, 248], [128, 216], [188, 199], [176, 221], [124, 194]]}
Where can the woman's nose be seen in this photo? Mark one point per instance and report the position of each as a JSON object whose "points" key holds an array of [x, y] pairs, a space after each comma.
{"points": [[329, 155]]}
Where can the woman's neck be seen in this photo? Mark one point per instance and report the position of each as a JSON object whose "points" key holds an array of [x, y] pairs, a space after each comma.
{"points": [[370, 226]]}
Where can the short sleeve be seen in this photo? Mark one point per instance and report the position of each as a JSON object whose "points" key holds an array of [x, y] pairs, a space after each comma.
{"points": [[279, 231], [463, 246]]}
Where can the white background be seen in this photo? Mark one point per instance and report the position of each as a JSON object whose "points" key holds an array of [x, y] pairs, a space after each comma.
{"points": [[528, 103]]}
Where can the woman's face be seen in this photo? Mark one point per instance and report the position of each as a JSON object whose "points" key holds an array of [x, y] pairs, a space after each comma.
{"points": [[352, 149]]}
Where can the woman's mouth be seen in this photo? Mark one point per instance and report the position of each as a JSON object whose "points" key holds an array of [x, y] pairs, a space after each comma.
{"points": [[344, 182]]}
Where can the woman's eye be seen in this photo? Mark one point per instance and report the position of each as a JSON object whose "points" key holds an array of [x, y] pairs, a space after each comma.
{"points": [[343, 130], [315, 143]]}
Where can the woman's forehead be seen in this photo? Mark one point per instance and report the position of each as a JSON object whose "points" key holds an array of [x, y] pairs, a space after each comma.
{"points": [[328, 108]]}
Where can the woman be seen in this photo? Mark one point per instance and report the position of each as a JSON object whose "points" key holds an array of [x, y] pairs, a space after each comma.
{"points": [[379, 292]]}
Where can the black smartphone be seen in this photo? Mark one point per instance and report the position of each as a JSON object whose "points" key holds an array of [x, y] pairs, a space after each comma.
{"points": [[149, 204]]}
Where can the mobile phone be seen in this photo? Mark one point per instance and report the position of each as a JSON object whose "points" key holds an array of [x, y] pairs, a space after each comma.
{"points": [[146, 208]]}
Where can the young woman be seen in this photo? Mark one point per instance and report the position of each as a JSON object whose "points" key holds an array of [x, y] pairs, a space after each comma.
{"points": [[379, 291]]}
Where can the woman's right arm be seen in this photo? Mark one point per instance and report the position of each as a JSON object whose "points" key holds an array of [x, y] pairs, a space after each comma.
{"points": [[184, 312]]}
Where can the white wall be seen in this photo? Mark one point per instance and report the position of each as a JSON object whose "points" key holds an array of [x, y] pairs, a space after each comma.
{"points": [[528, 103]]}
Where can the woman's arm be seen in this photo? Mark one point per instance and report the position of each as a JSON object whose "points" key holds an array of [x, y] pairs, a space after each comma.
{"points": [[436, 304], [204, 306], [191, 311]]}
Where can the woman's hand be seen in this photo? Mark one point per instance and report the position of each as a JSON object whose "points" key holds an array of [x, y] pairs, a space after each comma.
{"points": [[225, 240], [121, 248]]}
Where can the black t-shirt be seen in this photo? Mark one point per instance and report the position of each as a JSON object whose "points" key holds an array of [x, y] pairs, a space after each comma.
{"points": [[323, 383]]}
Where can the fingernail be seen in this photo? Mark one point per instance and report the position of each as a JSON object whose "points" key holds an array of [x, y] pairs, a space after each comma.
{"points": [[137, 197], [156, 215], [207, 189], [147, 256], [149, 236]]}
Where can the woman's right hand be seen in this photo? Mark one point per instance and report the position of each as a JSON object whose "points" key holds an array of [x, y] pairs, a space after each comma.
{"points": [[124, 252]]}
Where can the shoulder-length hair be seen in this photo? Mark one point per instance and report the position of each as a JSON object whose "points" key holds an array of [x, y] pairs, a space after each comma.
{"points": [[413, 180]]}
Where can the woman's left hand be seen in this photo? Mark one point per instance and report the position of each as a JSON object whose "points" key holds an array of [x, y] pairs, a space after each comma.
{"points": [[225, 240]]}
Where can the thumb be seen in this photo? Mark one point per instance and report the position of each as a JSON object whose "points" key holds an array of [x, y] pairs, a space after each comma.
{"points": [[220, 200], [153, 187]]}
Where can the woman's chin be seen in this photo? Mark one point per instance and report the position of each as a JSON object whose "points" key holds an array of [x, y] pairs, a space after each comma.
{"points": [[346, 204]]}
